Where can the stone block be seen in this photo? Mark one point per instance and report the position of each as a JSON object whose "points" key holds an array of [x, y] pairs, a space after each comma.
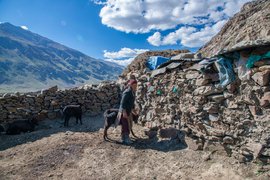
{"points": [[262, 78], [265, 100]]}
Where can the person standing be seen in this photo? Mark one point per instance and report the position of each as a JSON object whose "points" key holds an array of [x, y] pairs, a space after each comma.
{"points": [[127, 105]]}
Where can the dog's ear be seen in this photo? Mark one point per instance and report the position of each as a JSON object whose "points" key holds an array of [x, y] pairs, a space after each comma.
{"points": [[135, 118]]}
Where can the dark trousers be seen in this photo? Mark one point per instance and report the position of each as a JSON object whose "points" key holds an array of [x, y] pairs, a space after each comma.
{"points": [[125, 127]]}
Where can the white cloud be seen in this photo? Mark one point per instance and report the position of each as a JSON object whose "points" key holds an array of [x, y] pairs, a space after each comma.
{"points": [[24, 27], [142, 16], [155, 39], [187, 36], [124, 62], [233, 6], [98, 2], [124, 56]]}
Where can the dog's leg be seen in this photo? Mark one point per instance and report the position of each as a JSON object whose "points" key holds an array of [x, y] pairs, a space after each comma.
{"points": [[105, 135], [80, 119], [65, 121], [77, 119]]}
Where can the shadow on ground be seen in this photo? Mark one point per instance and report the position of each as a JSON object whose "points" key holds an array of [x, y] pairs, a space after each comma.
{"points": [[48, 127], [164, 145]]}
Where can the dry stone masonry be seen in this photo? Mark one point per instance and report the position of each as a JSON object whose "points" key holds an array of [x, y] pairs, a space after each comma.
{"points": [[47, 103], [236, 116]]}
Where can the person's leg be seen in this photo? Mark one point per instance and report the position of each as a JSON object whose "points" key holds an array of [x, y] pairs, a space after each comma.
{"points": [[125, 131], [125, 128]]}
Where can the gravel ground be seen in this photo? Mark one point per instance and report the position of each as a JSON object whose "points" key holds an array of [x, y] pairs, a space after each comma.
{"points": [[79, 152]]}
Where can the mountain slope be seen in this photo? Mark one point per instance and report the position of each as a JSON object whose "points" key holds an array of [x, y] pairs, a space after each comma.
{"points": [[29, 61], [251, 23]]}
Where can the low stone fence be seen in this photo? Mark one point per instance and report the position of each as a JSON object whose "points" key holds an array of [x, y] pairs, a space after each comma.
{"points": [[47, 103]]}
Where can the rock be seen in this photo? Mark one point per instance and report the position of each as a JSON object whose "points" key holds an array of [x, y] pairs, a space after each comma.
{"points": [[192, 75], [216, 132], [213, 117], [207, 156], [231, 104], [214, 147], [212, 109], [255, 148], [266, 152], [265, 100], [262, 78], [228, 140], [207, 90], [255, 110], [149, 115], [202, 82], [232, 87], [264, 68], [194, 144], [217, 98], [212, 77], [262, 63]]}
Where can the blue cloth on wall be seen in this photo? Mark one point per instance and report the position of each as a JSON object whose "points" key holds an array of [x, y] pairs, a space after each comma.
{"points": [[154, 61], [254, 58], [225, 71]]}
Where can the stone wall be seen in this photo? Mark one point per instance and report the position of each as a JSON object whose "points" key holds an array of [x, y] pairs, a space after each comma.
{"points": [[47, 103], [236, 117]]}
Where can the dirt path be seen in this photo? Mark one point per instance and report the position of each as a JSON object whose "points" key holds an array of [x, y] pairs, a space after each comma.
{"points": [[79, 152]]}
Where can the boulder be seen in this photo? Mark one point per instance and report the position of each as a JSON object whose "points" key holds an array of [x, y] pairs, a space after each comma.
{"points": [[255, 148], [228, 140], [265, 100], [262, 78], [194, 145]]}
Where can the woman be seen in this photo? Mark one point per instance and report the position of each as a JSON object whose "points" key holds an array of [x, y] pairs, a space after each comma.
{"points": [[126, 107]]}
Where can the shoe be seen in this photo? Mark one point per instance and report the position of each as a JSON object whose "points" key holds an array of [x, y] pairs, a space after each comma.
{"points": [[126, 140]]}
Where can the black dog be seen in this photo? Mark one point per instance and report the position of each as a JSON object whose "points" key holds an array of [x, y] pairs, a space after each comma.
{"points": [[2, 129], [110, 116], [72, 111], [16, 127]]}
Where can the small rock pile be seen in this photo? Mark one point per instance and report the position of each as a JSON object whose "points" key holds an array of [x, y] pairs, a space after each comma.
{"points": [[236, 116], [47, 103]]}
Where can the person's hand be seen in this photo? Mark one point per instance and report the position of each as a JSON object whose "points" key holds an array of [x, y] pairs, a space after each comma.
{"points": [[119, 116]]}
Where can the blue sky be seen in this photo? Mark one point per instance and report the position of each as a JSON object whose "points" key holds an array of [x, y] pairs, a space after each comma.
{"points": [[118, 30]]}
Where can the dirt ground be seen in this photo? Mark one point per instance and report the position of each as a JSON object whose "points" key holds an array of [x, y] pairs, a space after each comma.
{"points": [[79, 152]]}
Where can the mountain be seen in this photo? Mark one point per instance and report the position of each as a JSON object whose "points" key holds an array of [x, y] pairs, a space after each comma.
{"points": [[250, 24], [29, 61]]}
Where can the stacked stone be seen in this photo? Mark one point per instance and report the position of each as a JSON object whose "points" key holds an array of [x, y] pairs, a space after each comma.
{"points": [[48, 103], [236, 116]]}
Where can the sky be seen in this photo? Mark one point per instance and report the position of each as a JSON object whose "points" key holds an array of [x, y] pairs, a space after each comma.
{"points": [[119, 30]]}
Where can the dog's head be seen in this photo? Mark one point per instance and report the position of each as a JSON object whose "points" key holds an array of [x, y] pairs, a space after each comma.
{"points": [[135, 118]]}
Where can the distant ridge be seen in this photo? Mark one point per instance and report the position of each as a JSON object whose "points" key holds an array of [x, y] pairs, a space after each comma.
{"points": [[29, 61]]}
